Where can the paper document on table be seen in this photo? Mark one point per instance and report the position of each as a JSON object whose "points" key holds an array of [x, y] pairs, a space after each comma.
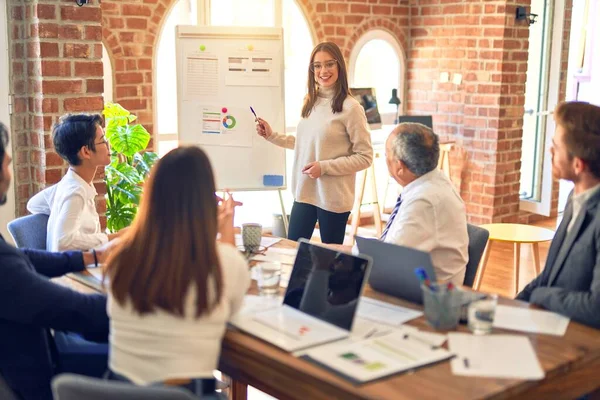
{"points": [[528, 320], [253, 304], [273, 257], [375, 358], [385, 313], [494, 356], [266, 241]]}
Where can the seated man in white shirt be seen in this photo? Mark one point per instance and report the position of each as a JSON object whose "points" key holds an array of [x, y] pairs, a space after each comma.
{"points": [[74, 223], [429, 215]]}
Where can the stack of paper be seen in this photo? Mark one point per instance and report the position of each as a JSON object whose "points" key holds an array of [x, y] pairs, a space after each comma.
{"points": [[494, 356], [265, 241], [528, 320], [375, 358]]}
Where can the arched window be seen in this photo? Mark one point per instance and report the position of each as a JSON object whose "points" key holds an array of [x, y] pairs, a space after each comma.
{"points": [[377, 61], [298, 44], [166, 76], [108, 76]]}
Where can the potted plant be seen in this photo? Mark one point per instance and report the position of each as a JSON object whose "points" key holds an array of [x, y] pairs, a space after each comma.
{"points": [[129, 167]]}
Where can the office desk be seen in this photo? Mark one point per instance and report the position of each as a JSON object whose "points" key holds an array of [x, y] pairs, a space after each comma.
{"points": [[571, 364]]}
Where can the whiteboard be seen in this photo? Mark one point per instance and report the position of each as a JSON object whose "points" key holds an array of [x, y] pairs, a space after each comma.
{"points": [[221, 73]]}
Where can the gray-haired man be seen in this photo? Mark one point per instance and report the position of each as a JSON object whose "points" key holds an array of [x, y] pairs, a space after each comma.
{"points": [[429, 215]]}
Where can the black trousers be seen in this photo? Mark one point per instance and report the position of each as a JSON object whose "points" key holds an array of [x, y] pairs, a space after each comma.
{"points": [[305, 216]]}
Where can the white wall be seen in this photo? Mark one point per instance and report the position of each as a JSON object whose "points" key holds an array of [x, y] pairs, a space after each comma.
{"points": [[7, 211]]}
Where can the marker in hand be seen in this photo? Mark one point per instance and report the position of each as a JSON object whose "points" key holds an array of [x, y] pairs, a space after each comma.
{"points": [[255, 116]]}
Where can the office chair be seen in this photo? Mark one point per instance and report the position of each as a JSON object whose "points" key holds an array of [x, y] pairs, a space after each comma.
{"points": [[77, 387], [478, 238], [29, 231]]}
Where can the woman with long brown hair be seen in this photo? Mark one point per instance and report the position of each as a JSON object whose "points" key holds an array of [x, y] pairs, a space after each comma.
{"points": [[332, 144], [173, 286]]}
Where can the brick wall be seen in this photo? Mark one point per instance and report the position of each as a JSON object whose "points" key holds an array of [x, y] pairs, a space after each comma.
{"points": [[482, 41], [57, 69], [478, 38]]}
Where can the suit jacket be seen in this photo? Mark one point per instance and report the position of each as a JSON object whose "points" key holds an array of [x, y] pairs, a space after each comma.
{"points": [[570, 282], [31, 305]]}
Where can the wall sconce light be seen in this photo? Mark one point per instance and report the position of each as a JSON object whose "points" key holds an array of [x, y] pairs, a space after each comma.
{"points": [[81, 3], [522, 14]]}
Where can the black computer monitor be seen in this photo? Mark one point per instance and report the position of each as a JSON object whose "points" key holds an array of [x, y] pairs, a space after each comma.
{"points": [[420, 119], [366, 97]]}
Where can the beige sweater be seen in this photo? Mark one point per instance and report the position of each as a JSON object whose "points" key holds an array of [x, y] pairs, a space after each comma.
{"points": [[341, 142]]}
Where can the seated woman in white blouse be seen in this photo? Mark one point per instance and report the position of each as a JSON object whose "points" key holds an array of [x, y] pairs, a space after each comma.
{"points": [[173, 286], [74, 223]]}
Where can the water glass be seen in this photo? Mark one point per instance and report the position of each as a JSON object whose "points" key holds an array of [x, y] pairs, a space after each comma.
{"points": [[481, 314], [268, 278]]}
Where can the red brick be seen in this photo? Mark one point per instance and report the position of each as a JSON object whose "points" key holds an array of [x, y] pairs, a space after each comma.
{"points": [[75, 13], [136, 10], [76, 50], [56, 68], [84, 104], [93, 33], [46, 30], [46, 11], [137, 23], [62, 86], [94, 68], [70, 32], [94, 85], [48, 50], [129, 78]]}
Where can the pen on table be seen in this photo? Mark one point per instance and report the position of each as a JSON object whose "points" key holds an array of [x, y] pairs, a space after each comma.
{"points": [[371, 333], [466, 362]]}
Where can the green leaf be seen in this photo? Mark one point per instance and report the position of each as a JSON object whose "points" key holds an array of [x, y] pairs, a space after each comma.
{"points": [[144, 162], [119, 218], [129, 140]]}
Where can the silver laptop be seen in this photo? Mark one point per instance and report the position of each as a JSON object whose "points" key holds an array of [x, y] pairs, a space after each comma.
{"points": [[393, 271], [320, 302]]}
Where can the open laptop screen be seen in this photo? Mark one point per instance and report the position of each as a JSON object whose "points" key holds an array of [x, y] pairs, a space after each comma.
{"points": [[327, 284]]}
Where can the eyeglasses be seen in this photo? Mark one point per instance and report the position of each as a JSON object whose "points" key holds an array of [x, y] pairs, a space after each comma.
{"points": [[329, 65], [103, 141]]}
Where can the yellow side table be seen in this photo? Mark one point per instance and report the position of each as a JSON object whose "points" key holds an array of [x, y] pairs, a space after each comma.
{"points": [[516, 234]]}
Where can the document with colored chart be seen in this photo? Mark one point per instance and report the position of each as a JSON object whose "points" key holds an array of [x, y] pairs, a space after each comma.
{"points": [[375, 358]]}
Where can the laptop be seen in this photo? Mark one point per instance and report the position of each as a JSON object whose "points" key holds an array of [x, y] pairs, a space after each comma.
{"points": [[393, 271], [320, 301], [426, 120]]}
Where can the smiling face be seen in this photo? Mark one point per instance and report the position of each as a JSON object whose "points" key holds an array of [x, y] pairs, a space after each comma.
{"points": [[325, 68]]}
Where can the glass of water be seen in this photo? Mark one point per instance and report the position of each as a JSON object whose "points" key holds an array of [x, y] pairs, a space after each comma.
{"points": [[481, 314], [268, 278]]}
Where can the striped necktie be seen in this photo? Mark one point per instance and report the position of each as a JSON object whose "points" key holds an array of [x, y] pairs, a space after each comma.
{"points": [[392, 216]]}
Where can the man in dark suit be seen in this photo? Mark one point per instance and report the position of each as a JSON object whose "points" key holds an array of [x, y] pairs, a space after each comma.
{"points": [[31, 305], [570, 282]]}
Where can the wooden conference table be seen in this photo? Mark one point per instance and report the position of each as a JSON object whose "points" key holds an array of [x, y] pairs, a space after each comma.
{"points": [[571, 364]]}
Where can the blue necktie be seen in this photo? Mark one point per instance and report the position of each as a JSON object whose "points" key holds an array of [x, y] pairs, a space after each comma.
{"points": [[394, 212]]}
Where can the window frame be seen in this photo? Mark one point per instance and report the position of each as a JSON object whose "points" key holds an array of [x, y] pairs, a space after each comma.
{"points": [[544, 205], [382, 34]]}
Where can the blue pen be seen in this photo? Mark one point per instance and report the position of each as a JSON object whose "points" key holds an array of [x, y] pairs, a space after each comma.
{"points": [[423, 278]]}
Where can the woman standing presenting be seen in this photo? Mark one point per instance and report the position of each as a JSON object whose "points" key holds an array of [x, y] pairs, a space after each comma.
{"points": [[332, 144]]}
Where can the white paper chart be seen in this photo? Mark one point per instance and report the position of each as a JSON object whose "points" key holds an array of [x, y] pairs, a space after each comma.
{"points": [[221, 73]]}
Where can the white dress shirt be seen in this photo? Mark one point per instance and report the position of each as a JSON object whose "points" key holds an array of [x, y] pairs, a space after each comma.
{"points": [[158, 346], [74, 223], [578, 200], [432, 218]]}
